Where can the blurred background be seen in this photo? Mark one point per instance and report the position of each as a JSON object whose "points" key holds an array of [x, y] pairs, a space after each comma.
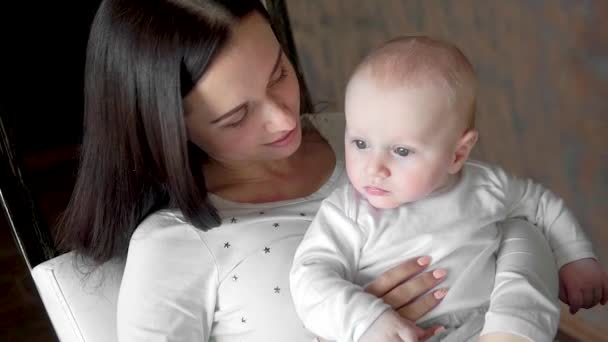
{"points": [[542, 112]]}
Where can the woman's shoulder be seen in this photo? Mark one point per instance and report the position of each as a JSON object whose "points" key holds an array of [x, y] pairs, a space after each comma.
{"points": [[168, 278], [164, 239], [331, 126], [169, 228]]}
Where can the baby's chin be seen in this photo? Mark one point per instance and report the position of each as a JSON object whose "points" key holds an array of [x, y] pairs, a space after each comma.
{"points": [[383, 202], [390, 201]]}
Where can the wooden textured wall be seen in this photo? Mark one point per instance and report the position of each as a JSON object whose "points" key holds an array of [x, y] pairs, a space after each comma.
{"points": [[543, 70]]}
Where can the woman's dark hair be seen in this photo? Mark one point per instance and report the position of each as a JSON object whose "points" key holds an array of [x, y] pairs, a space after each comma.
{"points": [[143, 56]]}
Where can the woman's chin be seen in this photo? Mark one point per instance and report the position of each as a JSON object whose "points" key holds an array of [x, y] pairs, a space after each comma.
{"points": [[286, 150]]}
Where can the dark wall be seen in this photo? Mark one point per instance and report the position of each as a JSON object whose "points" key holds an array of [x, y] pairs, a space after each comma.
{"points": [[42, 53], [543, 69], [42, 70], [41, 102]]}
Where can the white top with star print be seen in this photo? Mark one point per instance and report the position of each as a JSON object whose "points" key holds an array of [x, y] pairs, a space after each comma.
{"points": [[230, 283]]}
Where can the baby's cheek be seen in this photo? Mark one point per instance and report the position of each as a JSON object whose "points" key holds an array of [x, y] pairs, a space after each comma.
{"points": [[416, 187], [352, 169]]}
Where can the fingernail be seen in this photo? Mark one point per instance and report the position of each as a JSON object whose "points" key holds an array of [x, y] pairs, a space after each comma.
{"points": [[438, 274], [423, 261], [440, 293], [439, 330]]}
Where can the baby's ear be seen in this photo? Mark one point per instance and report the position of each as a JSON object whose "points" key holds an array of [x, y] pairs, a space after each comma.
{"points": [[463, 149]]}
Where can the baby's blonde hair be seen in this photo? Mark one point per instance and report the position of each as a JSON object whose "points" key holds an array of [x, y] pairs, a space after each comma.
{"points": [[418, 60]]}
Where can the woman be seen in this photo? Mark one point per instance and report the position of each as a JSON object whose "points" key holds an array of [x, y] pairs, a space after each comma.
{"points": [[196, 160]]}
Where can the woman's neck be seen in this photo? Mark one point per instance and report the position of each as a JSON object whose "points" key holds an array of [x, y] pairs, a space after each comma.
{"points": [[299, 175], [222, 174]]}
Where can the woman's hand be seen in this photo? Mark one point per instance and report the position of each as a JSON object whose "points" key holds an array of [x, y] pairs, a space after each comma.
{"points": [[407, 293], [405, 290]]}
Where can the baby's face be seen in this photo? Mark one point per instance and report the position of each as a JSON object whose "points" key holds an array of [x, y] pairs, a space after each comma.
{"points": [[399, 141]]}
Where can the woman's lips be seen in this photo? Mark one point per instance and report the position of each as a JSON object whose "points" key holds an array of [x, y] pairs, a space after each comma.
{"points": [[374, 191], [284, 140]]}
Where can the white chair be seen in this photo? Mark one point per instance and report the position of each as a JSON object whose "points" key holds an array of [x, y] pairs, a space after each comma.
{"points": [[81, 306]]}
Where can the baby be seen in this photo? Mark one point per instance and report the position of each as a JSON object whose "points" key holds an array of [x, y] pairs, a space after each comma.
{"points": [[409, 131]]}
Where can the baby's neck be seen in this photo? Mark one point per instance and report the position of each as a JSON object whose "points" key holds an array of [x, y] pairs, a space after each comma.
{"points": [[448, 184]]}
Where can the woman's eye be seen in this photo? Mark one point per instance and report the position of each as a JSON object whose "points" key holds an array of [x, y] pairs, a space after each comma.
{"points": [[279, 77], [402, 151], [238, 122], [360, 144], [234, 124]]}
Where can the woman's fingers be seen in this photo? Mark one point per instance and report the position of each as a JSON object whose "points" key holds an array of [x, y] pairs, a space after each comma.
{"points": [[416, 309], [397, 275], [411, 289]]}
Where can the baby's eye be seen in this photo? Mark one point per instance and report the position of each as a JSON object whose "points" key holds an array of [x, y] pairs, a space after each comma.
{"points": [[402, 151], [360, 144]]}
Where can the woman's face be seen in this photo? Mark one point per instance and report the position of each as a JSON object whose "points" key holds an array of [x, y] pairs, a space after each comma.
{"points": [[246, 106]]}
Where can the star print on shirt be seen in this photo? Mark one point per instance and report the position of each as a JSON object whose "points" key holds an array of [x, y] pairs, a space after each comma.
{"points": [[302, 214], [277, 290], [276, 225], [243, 319], [227, 245], [266, 250], [235, 278], [261, 213], [233, 220]]}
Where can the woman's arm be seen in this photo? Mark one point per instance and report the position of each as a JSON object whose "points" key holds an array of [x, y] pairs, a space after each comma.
{"points": [[524, 301], [169, 286]]}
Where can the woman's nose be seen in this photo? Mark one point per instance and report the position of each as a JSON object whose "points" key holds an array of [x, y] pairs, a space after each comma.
{"points": [[278, 118]]}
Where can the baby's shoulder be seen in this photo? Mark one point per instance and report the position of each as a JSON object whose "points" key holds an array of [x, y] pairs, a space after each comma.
{"points": [[351, 203], [483, 173], [344, 195]]}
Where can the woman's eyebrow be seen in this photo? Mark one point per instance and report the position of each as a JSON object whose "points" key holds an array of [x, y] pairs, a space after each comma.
{"points": [[239, 107]]}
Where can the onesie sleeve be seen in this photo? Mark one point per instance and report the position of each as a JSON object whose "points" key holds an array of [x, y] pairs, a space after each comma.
{"points": [[524, 301], [325, 264], [540, 206], [168, 291]]}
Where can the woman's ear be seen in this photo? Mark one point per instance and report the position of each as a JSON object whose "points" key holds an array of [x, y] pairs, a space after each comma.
{"points": [[463, 149]]}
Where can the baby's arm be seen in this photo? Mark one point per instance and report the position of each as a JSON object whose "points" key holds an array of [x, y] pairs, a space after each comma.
{"points": [[524, 300], [583, 282], [391, 327], [325, 264], [502, 337]]}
